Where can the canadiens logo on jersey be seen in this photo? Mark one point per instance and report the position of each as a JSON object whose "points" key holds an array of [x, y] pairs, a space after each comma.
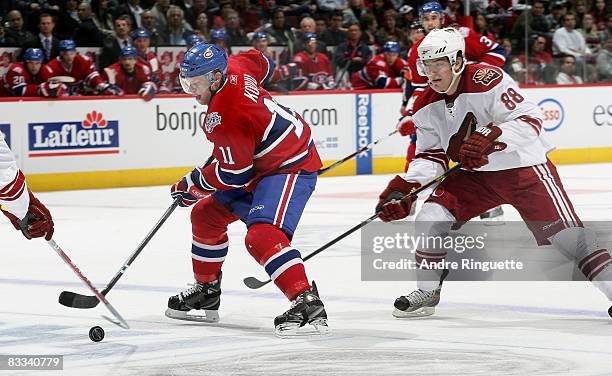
{"points": [[212, 120], [485, 76]]}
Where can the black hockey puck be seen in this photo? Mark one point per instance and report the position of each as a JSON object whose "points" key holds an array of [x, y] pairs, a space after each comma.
{"points": [[96, 333]]}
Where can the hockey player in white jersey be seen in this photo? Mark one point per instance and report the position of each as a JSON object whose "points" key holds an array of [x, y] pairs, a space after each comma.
{"points": [[22, 208], [476, 115]]}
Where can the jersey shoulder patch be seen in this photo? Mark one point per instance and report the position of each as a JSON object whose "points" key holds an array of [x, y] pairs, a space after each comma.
{"points": [[464, 31], [17, 69], [212, 120], [486, 76]]}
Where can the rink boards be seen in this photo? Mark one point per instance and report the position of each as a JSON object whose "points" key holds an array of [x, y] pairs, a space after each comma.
{"points": [[119, 142]]}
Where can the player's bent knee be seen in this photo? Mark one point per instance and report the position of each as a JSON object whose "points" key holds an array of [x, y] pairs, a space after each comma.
{"points": [[264, 240], [575, 242], [210, 218], [433, 219]]}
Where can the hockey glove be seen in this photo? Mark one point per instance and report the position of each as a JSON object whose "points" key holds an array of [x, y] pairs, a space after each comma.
{"points": [[52, 89], [147, 91], [108, 89], [37, 222], [189, 189], [474, 152], [406, 126], [390, 204]]}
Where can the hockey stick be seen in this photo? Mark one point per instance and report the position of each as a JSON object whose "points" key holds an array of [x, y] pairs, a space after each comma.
{"points": [[368, 146], [254, 283], [97, 295], [74, 300], [62, 79]]}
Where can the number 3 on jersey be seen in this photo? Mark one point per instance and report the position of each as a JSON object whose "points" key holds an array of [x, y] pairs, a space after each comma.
{"points": [[275, 108]]}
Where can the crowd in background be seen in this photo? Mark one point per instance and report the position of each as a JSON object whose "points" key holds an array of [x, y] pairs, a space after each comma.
{"points": [[546, 41]]}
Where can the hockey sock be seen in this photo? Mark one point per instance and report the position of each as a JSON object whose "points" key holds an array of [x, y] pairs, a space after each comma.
{"points": [[283, 263], [410, 153]]}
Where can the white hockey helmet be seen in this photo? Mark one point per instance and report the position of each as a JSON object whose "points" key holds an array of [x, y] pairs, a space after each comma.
{"points": [[441, 43]]}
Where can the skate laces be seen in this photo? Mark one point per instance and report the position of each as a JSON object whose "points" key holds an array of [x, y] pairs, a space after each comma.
{"points": [[195, 288], [419, 296]]}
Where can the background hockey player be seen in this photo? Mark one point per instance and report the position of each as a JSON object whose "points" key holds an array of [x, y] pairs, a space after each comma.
{"points": [[476, 115], [142, 42], [262, 171], [315, 66], [17, 202], [29, 79], [82, 69], [131, 76], [478, 49], [384, 71]]}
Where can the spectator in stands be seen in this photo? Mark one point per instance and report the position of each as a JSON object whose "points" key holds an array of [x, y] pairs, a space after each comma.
{"points": [[29, 79], [599, 12], [580, 9], [178, 29], [390, 31], [351, 55], [191, 14], [235, 35], [555, 18], [130, 76], [513, 65], [335, 34], [384, 71], [589, 32], [46, 39], [534, 20], [314, 65], [407, 17], [308, 25], [81, 68], [16, 34], [249, 15], [149, 24], [353, 13], [160, 12], [453, 14], [3, 41], [567, 71], [604, 61], [133, 9], [102, 16], [281, 34], [332, 5], [87, 33], [202, 28], [369, 25], [540, 68], [481, 26], [568, 41], [67, 19], [320, 26], [112, 46]]}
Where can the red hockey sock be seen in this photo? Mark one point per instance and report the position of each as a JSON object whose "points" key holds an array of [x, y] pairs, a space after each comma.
{"points": [[272, 249], [410, 153]]}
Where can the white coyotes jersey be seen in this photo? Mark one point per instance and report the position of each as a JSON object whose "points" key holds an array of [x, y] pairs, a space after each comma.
{"points": [[485, 95], [14, 195]]}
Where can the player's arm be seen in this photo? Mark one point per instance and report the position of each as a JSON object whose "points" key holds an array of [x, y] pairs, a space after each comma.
{"points": [[487, 50], [258, 64], [17, 202], [148, 89], [17, 84]]}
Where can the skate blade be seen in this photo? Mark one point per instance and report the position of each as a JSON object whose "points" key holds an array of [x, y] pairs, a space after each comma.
{"points": [[421, 312], [316, 328], [209, 316]]}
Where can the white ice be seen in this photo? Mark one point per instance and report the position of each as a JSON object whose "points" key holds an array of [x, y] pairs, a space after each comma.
{"points": [[492, 328]]}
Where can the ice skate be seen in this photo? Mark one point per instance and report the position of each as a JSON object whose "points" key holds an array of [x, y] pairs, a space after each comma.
{"points": [[493, 217], [418, 303], [198, 303], [306, 316]]}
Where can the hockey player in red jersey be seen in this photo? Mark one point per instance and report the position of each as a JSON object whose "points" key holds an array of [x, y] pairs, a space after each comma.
{"points": [[384, 71], [131, 76], [262, 171], [476, 114], [30, 78], [72, 64], [315, 66], [142, 41], [17, 202]]}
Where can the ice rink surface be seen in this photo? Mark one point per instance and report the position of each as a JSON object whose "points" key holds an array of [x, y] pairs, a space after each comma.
{"points": [[490, 328]]}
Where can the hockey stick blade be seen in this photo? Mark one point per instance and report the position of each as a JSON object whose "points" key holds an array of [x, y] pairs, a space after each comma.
{"points": [[74, 300], [254, 283]]}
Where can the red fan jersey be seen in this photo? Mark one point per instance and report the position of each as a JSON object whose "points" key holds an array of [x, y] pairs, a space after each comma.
{"points": [[130, 83], [18, 82], [377, 74], [253, 135], [316, 68], [83, 70], [478, 49]]}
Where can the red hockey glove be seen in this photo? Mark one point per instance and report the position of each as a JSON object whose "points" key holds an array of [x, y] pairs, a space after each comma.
{"points": [[406, 126], [147, 92], [474, 151], [51, 89], [390, 204], [37, 222], [189, 189]]}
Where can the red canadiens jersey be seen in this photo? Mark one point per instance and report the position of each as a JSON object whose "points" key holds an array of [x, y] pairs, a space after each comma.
{"points": [[130, 83], [253, 135], [83, 71], [377, 74], [18, 82], [150, 60], [317, 68], [478, 49]]}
